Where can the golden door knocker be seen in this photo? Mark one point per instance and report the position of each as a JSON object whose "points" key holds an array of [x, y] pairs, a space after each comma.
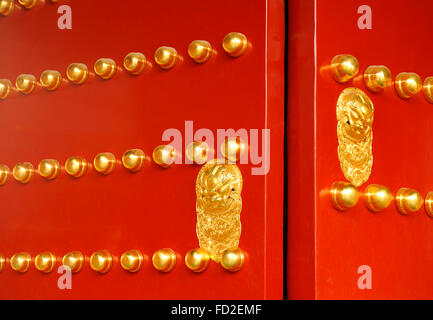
{"points": [[355, 113], [219, 204]]}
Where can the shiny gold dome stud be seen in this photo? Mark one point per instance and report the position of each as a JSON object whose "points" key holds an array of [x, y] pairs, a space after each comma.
{"points": [[45, 262], [5, 88], [377, 78], [133, 159], [76, 166], [105, 68], [164, 260], [377, 197], [4, 174], [235, 44], [20, 262], [6, 7], [28, 4], [2, 262], [101, 261], [343, 195], [23, 172], [197, 152], [51, 79], [233, 148], [408, 200], [49, 169], [25, 83], [344, 67], [166, 57], [428, 204], [105, 163], [233, 259], [407, 84], [77, 73], [164, 155], [134, 63], [132, 260], [197, 260], [74, 260], [427, 88], [200, 51]]}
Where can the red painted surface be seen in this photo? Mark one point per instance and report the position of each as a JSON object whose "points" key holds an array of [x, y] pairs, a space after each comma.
{"points": [[397, 248], [154, 208]]}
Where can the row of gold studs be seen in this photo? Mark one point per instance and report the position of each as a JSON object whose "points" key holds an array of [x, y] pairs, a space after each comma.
{"points": [[7, 6], [377, 198], [345, 67], [101, 261], [133, 160], [200, 51]]}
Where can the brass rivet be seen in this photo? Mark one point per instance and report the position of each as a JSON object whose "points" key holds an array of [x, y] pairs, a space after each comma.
{"points": [[343, 195], [20, 262], [101, 261], [377, 78], [166, 57], [105, 68], [377, 197], [51, 79], [407, 84], [408, 200], [105, 163], [197, 260], [132, 260], [45, 262], [233, 259], [427, 88], [197, 152], [5, 88], [49, 169], [74, 260], [76, 166], [164, 260], [4, 174], [23, 172], [25, 83], [77, 73], [235, 44], [429, 204], [234, 148], [200, 51], [2, 262], [133, 159], [28, 4], [164, 155], [6, 7], [344, 67], [134, 62]]}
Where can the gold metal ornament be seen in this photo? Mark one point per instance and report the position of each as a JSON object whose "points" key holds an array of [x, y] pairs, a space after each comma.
{"points": [[164, 155], [45, 262], [200, 51], [377, 78], [132, 260], [355, 114], [105, 163], [51, 79], [133, 159], [197, 152], [219, 204], [164, 260], [25, 83], [377, 197], [166, 57], [343, 195], [408, 200], [197, 260], [5, 88], [233, 259], [2, 262], [20, 262], [233, 148], [428, 203], [344, 67], [77, 73], [6, 7], [49, 169], [105, 68], [76, 166], [23, 172], [101, 261], [427, 89], [235, 44], [74, 260], [134, 63], [28, 4], [407, 84], [4, 174]]}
